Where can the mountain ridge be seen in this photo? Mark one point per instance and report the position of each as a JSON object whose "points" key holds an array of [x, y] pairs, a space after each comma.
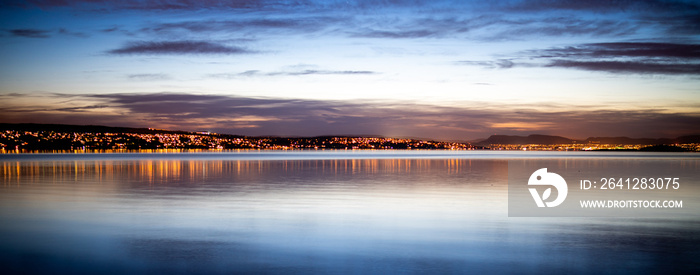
{"points": [[551, 140]]}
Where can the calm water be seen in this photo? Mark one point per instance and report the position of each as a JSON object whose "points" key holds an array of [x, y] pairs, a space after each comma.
{"points": [[317, 212]]}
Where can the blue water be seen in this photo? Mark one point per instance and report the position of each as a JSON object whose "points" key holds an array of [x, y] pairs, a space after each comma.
{"points": [[338, 212]]}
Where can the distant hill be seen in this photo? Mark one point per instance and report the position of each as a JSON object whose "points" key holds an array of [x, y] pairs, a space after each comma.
{"points": [[66, 128], [549, 140], [78, 128]]}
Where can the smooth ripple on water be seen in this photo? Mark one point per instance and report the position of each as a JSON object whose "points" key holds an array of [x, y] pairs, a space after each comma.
{"points": [[316, 212]]}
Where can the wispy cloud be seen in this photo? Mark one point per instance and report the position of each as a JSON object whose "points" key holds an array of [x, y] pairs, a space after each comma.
{"points": [[81, 108], [490, 26], [495, 64], [508, 19], [604, 5], [626, 49], [628, 67], [143, 5], [371, 33], [42, 33], [470, 20], [256, 73], [673, 16], [72, 33], [641, 58], [228, 4], [294, 23], [147, 77], [564, 26], [30, 33], [614, 57], [325, 72], [109, 30], [366, 20], [177, 47]]}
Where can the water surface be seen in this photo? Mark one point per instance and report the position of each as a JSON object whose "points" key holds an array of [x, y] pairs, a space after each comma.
{"points": [[317, 212]]}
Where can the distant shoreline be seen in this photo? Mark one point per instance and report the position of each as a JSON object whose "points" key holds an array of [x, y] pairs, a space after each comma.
{"points": [[16, 138], [177, 151]]}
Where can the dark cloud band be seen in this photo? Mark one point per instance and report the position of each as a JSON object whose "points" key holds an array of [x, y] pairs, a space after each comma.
{"points": [[177, 47], [30, 33], [300, 117], [616, 57], [629, 67]]}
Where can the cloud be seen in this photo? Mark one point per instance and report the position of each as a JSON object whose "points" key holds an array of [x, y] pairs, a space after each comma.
{"points": [[384, 20], [496, 64], [613, 57], [489, 26], [81, 108], [255, 73], [300, 117], [72, 33], [513, 20], [177, 47], [148, 76], [628, 67], [605, 5], [523, 6], [626, 49], [677, 24], [322, 72], [143, 5], [38, 33], [625, 57], [227, 4], [112, 29], [396, 34], [30, 33], [674, 16], [282, 22], [564, 26]]}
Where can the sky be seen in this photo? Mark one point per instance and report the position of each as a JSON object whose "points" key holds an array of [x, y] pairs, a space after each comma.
{"points": [[448, 70]]}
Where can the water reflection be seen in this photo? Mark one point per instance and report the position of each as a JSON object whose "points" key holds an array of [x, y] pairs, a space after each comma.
{"points": [[347, 215], [163, 170]]}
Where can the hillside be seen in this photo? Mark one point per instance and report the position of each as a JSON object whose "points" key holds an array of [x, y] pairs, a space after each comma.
{"points": [[550, 140]]}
